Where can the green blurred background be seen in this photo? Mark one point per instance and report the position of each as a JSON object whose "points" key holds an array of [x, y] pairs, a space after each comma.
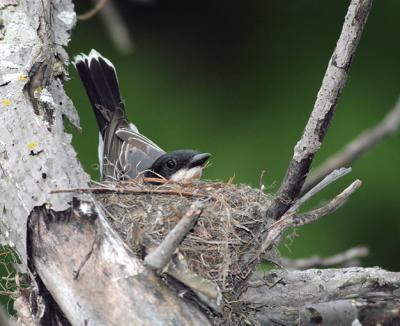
{"points": [[238, 79]]}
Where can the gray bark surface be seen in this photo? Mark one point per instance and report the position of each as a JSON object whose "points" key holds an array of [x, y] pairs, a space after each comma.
{"points": [[35, 153], [94, 277], [348, 296], [82, 274]]}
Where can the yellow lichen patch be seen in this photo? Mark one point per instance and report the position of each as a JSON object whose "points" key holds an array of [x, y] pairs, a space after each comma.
{"points": [[32, 145], [22, 78], [37, 91], [6, 102]]}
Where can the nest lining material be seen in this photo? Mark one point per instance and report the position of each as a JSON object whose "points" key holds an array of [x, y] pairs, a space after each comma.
{"points": [[230, 219]]}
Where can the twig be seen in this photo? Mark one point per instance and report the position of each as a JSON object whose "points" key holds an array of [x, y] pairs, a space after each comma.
{"points": [[324, 107], [127, 190], [333, 176], [160, 257], [357, 147], [117, 28], [317, 262], [92, 12], [291, 219]]}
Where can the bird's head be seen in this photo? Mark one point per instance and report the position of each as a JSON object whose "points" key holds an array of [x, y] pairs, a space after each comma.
{"points": [[182, 166]]}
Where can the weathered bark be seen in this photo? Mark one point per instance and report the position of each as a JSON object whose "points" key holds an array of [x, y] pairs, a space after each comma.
{"points": [[82, 271], [362, 296], [36, 154], [94, 278]]}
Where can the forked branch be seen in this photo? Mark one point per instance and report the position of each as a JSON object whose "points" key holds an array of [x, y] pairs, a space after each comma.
{"points": [[357, 147], [291, 219], [324, 108]]}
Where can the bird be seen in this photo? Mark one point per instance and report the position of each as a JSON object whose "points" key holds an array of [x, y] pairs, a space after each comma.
{"points": [[124, 153]]}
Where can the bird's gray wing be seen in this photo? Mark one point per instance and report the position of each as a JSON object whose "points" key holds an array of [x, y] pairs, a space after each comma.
{"points": [[112, 145], [137, 153]]}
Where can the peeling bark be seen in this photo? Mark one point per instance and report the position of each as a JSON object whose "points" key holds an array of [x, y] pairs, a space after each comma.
{"points": [[94, 277]]}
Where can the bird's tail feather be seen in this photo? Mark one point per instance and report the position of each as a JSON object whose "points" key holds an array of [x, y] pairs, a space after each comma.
{"points": [[99, 77]]}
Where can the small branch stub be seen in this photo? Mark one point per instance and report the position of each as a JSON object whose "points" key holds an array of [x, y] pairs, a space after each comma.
{"points": [[160, 257]]}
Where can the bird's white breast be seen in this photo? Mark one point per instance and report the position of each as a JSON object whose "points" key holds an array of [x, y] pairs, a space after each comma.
{"points": [[187, 175]]}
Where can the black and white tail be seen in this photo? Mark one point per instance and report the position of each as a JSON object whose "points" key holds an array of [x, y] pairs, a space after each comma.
{"points": [[99, 77]]}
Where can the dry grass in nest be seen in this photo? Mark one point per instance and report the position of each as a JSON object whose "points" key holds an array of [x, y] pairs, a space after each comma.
{"points": [[231, 217]]}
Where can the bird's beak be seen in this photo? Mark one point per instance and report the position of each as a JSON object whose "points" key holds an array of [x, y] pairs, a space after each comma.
{"points": [[199, 160]]}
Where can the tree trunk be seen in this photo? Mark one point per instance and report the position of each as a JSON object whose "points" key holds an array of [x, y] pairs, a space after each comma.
{"points": [[82, 272]]}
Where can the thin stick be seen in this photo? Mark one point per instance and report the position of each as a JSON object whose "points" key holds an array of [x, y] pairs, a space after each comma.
{"points": [[341, 259], [160, 257], [127, 190], [324, 108], [117, 28], [92, 12], [333, 176], [357, 147], [291, 219]]}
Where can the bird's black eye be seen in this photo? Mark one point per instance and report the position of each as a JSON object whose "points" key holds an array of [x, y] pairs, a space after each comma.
{"points": [[171, 164]]}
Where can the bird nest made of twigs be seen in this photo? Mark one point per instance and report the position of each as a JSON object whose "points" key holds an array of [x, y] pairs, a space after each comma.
{"points": [[144, 214]]}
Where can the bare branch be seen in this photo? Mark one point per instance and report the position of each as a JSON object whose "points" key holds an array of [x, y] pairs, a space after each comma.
{"points": [[332, 177], [160, 257], [114, 22], [291, 219], [357, 147], [348, 296], [92, 12], [324, 108], [128, 190], [117, 28], [342, 259]]}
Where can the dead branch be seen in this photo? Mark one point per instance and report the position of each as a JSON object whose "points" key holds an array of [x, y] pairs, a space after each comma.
{"points": [[114, 23], [127, 190], [369, 296], [117, 28], [291, 219], [316, 128], [332, 177], [357, 147], [94, 277], [324, 108], [342, 259], [160, 257], [99, 5]]}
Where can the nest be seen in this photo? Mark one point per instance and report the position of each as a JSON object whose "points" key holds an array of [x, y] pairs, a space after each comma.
{"points": [[230, 219]]}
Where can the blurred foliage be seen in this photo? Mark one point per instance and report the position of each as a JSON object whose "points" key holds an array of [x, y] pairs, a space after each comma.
{"points": [[239, 79], [10, 281]]}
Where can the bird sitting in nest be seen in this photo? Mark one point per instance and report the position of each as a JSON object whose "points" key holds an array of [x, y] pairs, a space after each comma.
{"points": [[123, 152]]}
